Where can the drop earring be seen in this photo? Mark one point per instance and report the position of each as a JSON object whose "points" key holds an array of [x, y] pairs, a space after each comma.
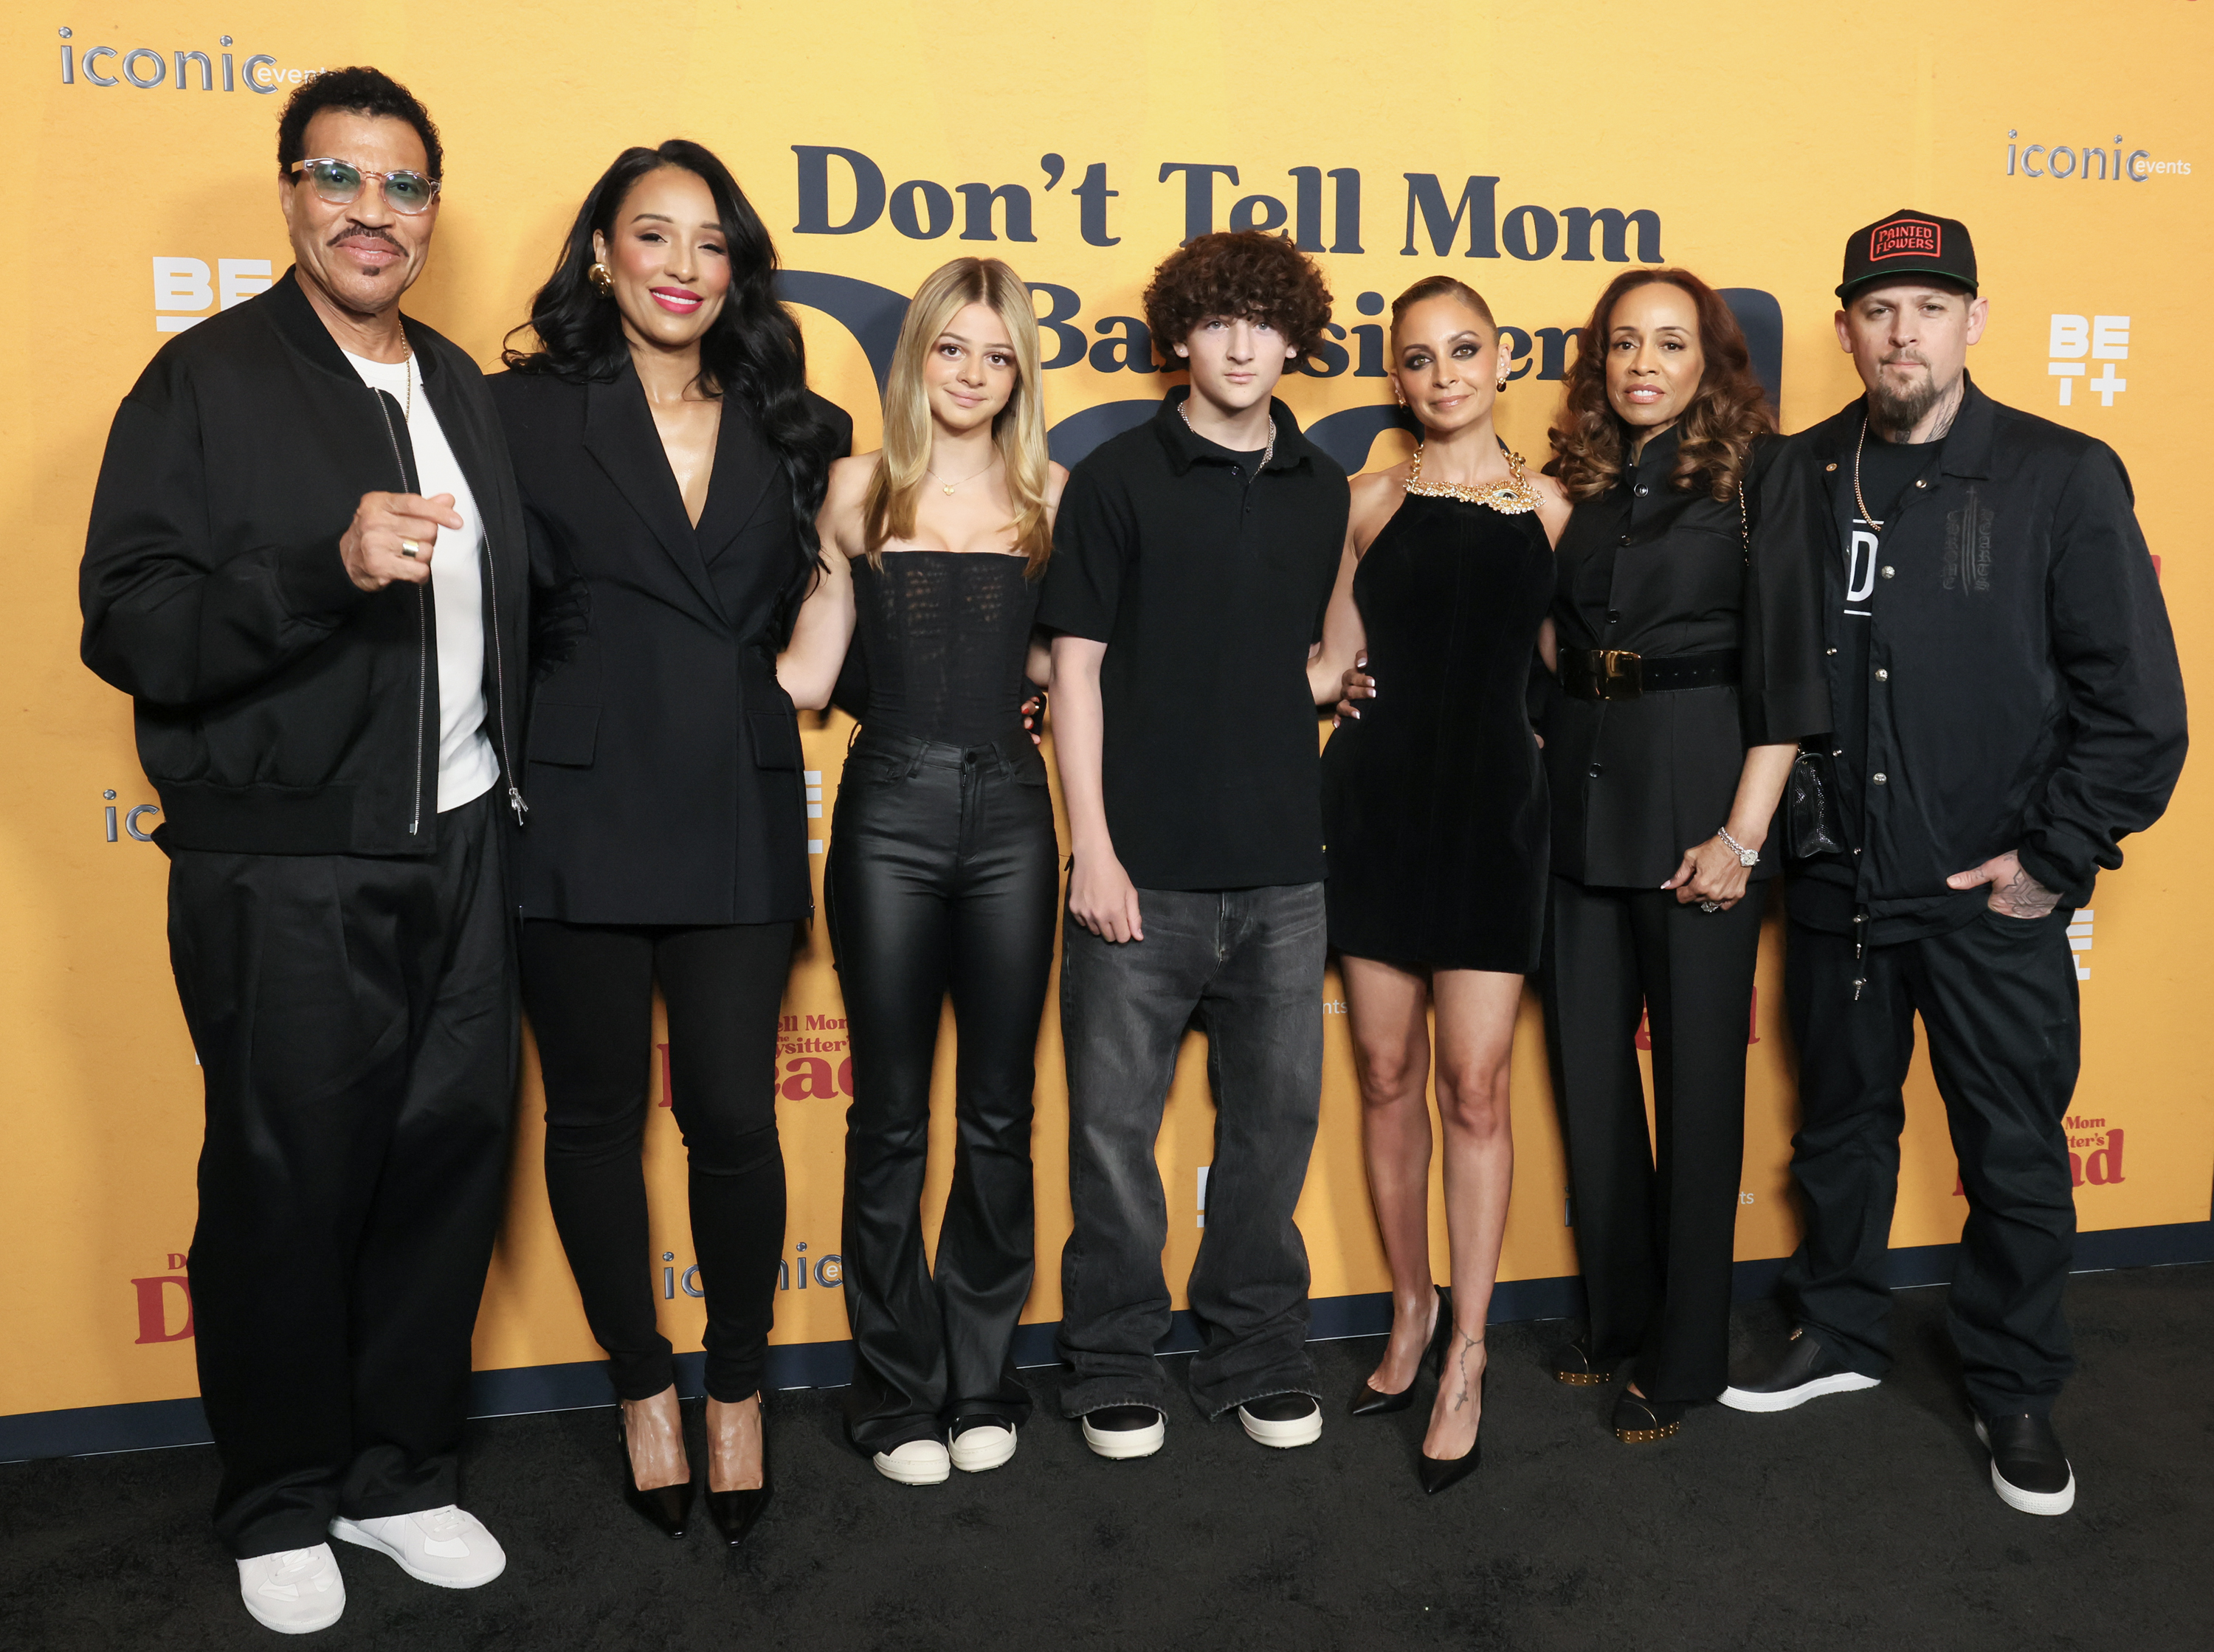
{"points": [[602, 278]]}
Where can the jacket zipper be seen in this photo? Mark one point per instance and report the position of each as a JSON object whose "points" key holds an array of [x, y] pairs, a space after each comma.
{"points": [[422, 632], [499, 687]]}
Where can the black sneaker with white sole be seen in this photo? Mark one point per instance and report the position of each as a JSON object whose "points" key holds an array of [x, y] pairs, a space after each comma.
{"points": [[1282, 1420], [1119, 1432], [2028, 1469], [1808, 1371]]}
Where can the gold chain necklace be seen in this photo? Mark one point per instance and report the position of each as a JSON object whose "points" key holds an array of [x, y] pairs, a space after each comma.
{"points": [[1857, 499], [1512, 498], [964, 481]]}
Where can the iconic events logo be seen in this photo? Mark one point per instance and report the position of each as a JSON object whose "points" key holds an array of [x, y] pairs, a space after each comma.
{"points": [[2093, 162], [148, 68]]}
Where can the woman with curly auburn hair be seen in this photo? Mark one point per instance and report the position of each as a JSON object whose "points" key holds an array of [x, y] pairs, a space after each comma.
{"points": [[1689, 664]]}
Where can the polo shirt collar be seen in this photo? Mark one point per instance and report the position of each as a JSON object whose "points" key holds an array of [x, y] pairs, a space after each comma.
{"points": [[1185, 448]]}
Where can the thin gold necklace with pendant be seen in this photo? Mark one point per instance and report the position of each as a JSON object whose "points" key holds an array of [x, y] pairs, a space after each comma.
{"points": [[1512, 498], [963, 482]]}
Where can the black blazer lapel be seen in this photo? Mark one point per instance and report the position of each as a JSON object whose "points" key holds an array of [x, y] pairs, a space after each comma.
{"points": [[745, 466], [619, 434]]}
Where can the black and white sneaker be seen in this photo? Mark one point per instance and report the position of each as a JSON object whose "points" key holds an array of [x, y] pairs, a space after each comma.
{"points": [[2028, 1469], [1282, 1420], [1120, 1432], [1808, 1372]]}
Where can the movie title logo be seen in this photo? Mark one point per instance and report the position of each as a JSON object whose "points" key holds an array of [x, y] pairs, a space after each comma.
{"points": [[844, 192]]}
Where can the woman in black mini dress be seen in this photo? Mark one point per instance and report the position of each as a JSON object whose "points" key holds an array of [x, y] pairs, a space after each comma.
{"points": [[1435, 810]]}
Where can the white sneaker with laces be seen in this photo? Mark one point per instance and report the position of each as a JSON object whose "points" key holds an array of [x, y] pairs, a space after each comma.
{"points": [[295, 1591], [919, 1462], [449, 1546], [983, 1446]]}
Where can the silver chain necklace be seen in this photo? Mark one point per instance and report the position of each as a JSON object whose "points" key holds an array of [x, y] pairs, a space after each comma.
{"points": [[1267, 452]]}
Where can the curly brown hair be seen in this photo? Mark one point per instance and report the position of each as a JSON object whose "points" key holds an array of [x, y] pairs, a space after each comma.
{"points": [[1240, 273], [1727, 413]]}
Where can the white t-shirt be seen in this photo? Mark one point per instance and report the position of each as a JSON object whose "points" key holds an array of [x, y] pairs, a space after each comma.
{"points": [[467, 767]]}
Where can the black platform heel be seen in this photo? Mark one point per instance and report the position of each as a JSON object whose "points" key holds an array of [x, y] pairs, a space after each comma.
{"points": [[666, 1508], [736, 1513], [1436, 1473], [1369, 1400]]}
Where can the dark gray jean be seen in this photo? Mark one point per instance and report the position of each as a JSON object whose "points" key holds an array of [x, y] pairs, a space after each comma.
{"points": [[1249, 962]]}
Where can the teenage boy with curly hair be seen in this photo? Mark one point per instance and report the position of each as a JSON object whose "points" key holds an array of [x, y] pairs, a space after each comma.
{"points": [[1193, 558]]}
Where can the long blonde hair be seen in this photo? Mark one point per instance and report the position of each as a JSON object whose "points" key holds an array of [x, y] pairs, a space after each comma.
{"points": [[1018, 431]]}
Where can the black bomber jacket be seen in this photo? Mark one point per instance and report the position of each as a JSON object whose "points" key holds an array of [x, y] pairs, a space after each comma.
{"points": [[279, 708], [2024, 692]]}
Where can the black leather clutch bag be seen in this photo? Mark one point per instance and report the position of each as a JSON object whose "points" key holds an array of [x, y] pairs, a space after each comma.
{"points": [[1810, 820]]}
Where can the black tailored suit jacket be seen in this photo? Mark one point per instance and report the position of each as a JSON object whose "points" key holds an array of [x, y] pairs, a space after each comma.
{"points": [[662, 759], [1635, 783]]}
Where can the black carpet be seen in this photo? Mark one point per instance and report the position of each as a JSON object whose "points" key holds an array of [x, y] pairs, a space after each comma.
{"points": [[1865, 1521]]}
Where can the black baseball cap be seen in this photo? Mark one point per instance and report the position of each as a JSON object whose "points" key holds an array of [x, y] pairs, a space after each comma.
{"points": [[1909, 243]]}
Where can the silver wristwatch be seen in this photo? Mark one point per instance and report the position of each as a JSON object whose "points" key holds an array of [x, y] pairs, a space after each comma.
{"points": [[1745, 856]]}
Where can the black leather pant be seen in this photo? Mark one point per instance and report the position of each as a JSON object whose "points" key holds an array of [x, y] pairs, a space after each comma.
{"points": [[942, 875]]}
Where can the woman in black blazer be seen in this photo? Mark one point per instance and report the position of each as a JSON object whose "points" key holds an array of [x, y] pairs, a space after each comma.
{"points": [[672, 461], [1687, 639]]}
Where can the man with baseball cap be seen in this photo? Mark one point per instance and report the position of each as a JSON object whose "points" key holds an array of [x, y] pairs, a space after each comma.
{"points": [[2008, 708]]}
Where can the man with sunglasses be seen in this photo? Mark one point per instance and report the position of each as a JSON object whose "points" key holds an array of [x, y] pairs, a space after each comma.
{"points": [[306, 564]]}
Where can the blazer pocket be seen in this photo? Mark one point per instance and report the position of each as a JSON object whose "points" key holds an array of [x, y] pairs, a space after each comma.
{"points": [[776, 740], [564, 735]]}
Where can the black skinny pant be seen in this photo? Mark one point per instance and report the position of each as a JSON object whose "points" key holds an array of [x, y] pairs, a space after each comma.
{"points": [[1655, 1214], [355, 1021], [1997, 996], [589, 988], [943, 875]]}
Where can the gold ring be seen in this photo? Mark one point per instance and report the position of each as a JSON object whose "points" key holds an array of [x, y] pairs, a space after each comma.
{"points": [[409, 548]]}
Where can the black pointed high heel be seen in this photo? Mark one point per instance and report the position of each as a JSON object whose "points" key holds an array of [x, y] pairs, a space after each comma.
{"points": [[1369, 1400], [666, 1508], [1436, 1473], [736, 1513]]}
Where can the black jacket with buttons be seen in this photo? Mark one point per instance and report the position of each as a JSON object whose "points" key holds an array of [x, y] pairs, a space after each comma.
{"points": [[2024, 693], [1668, 572]]}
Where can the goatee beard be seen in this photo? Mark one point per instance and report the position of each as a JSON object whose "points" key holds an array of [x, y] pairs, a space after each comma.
{"points": [[1901, 411]]}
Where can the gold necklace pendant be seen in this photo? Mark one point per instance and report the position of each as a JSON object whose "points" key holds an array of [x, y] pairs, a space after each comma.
{"points": [[1513, 497]]}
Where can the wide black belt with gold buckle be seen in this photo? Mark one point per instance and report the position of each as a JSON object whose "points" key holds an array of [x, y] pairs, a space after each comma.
{"points": [[1624, 674]]}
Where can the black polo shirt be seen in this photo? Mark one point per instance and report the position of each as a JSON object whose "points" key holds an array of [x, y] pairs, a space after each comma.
{"points": [[1208, 583]]}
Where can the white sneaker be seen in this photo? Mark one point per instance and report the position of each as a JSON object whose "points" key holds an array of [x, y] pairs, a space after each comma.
{"points": [[983, 1446], [1119, 1433], [919, 1462], [446, 1546], [1282, 1420], [295, 1591]]}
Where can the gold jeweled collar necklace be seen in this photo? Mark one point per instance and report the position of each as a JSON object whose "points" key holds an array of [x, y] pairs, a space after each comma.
{"points": [[1510, 498]]}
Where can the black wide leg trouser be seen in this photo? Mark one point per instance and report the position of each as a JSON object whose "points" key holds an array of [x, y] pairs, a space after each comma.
{"points": [[1655, 1213], [1997, 996], [354, 1020], [943, 875], [589, 988]]}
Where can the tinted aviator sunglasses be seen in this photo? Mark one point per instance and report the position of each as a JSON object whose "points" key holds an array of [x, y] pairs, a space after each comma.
{"points": [[339, 183]]}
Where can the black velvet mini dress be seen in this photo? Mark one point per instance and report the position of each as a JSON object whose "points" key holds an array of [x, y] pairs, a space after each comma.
{"points": [[1435, 802]]}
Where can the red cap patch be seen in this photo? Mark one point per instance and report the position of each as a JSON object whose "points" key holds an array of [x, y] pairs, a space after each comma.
{"points": [[1904, 238]]}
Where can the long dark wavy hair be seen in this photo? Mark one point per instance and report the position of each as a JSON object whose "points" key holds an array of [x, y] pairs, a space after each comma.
{"points": [[752, 350], [1727, 412]]}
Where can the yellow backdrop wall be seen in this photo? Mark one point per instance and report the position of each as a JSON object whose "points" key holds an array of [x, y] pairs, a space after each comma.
{"points": [[1081, 143]]}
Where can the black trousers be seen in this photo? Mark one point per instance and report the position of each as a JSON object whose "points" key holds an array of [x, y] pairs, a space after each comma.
{"points": [[589, 988], [1997, 996], [1655, 1213], [355, 1022], [943, 875]]}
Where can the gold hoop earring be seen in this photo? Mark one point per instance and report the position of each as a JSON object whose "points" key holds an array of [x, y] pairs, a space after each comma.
{"points": [[601, 276]]}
